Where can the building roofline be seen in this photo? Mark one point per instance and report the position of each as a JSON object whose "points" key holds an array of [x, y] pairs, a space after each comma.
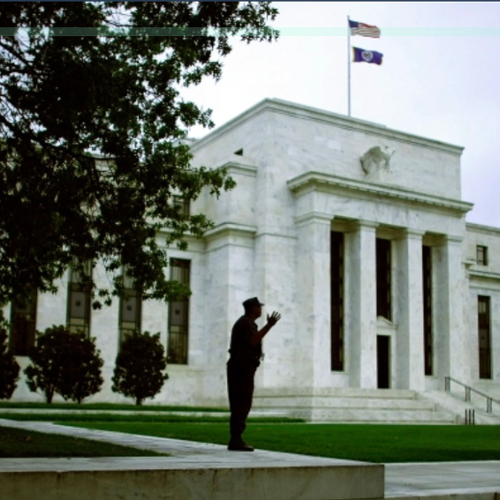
{"points": [[311, 113], [482, 228]]}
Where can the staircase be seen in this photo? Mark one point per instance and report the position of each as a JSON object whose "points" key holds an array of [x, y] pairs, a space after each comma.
{"points": [[346, 405], [459, 398]]}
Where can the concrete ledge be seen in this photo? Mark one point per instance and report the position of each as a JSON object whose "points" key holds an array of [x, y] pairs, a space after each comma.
{"points": [[152, 478]]}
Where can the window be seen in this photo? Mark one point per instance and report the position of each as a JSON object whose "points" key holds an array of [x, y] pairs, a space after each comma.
{"points": [[427, 297], [78, 316], [178, 315], [337, 300], [482, 255], [383, 255], [23, 324], [483, 320], [130, 307], [182, 204]]}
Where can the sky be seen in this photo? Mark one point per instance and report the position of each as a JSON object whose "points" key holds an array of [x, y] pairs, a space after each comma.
{"points": [[440, 77]]}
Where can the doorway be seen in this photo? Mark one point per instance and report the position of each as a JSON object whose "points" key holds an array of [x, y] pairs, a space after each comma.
{"points": [[383, 361]]}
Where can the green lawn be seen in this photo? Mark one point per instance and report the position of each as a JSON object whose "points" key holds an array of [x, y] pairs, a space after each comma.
{"points": [[372, 443], [18, 443]]}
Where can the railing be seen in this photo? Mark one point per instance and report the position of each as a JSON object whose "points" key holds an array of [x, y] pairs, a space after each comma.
{"points": [[468, 390]]}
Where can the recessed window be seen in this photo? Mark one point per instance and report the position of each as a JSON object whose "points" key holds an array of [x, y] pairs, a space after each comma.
{"points": [[23, 324], [130, 307], [383, 256], [484, 331], [427, 300], [239, 152], [79, 299], [182, 204], [178, 315], [337, 300], [482, 255]]}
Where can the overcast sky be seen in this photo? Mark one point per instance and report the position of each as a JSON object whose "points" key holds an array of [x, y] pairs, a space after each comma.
{"points": [[440, 77]]}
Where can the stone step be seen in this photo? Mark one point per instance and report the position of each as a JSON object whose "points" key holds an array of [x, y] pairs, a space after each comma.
{"points": [[372, 415], [340, 402], [191, 471], [348, 392]]}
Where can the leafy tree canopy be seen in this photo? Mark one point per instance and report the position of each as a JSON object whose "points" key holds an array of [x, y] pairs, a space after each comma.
{"points": [[92, 135]]}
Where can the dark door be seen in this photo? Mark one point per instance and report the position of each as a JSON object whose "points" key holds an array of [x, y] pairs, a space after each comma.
{"points": [[383, 361]]}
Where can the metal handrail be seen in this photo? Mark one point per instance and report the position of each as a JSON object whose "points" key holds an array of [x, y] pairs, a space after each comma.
{"points": [[468, 390]]}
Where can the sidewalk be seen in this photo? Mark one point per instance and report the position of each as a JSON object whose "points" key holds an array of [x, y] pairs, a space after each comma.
{"points": [[445, 480]]}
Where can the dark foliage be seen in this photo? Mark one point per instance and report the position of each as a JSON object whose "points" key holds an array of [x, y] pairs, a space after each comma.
{"points": [[92, 135], [9, 369], [64, 363], [140, 364]]}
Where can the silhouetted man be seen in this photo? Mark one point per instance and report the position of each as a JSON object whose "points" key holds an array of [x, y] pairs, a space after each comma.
{"points": [[245, 354]]}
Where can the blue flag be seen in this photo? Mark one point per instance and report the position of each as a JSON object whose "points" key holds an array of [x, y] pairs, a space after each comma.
{"points": [[369, 56]]}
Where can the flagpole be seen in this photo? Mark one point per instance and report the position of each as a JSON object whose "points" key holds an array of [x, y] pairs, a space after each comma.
{"points": [[348, 68]]}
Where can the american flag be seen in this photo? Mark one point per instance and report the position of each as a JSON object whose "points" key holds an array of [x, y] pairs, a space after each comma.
{"points": [[364, 29]]}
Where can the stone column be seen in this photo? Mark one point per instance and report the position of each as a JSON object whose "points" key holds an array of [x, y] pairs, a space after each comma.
{"points": [[362, 309], [313, 301], [410, 334], [450, 343]]}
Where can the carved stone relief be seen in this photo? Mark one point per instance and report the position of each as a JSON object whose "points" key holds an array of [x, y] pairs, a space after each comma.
{"points": [[376, 158]]}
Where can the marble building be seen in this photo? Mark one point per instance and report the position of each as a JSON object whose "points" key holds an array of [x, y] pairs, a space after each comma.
{"points": [[354, 232]]}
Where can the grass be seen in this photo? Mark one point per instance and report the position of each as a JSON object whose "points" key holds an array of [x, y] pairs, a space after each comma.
{"points": [[371, 443], [18, 443]]}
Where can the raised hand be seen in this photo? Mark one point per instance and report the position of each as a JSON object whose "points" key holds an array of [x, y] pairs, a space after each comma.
{"points": [[274, 318]]}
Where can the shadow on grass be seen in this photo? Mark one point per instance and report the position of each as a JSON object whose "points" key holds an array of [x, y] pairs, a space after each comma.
{"points": [[18, 443]]}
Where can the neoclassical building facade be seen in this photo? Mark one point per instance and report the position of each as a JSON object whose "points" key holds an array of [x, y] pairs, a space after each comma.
{"points": [[354, 232]]}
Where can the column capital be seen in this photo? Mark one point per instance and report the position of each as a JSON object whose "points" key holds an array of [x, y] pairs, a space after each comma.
{"points": [[446, 239], [409, 232], [311, 217], [358, 224], [453, 238]]}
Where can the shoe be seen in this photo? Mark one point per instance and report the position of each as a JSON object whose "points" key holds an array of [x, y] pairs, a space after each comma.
{"points": [[239, 446]]}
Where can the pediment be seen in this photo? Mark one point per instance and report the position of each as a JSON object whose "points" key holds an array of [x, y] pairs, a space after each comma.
{"points": [[385, 324]]}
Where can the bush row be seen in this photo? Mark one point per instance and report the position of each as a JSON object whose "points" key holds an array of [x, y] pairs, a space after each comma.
{"points": [[69, 364]]}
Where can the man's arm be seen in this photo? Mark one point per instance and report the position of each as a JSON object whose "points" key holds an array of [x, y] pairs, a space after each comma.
{"points": [[271, 321]]}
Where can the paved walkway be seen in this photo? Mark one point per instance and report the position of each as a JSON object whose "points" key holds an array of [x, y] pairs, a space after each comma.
{"points": [[444, 479]]}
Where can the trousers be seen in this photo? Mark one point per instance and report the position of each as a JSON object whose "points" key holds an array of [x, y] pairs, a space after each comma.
{"points": [[240, 385]]}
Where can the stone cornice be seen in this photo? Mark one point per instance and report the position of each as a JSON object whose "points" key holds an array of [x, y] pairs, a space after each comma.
{"points": [[488, 275], [341, 121], [241, 168], [317, 181], [230, 229], [480, 228]]}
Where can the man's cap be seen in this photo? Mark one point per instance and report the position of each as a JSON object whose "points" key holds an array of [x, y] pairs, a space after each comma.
{"points": [[254, 301]]}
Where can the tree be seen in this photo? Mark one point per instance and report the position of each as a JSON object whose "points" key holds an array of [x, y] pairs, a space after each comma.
{"points": [[64, 363], [92, 135], [139, 367], [9, 369]]}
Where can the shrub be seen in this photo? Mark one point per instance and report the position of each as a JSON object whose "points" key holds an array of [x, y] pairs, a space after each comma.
{"points": [[81, 370], [65, 363], [9, 369], [139, 367]]}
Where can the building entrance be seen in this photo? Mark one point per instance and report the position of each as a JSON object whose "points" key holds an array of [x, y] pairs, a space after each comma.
{"points": [[383, 361]]}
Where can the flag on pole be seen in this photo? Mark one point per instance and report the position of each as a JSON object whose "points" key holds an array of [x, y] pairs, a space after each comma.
{"points": [[364, 29], [369, 56]]}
